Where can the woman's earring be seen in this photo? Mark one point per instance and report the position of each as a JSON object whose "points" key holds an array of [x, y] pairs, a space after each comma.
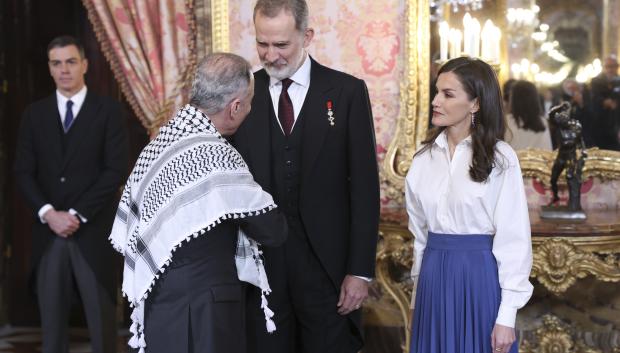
{"points": [[473, 120]]}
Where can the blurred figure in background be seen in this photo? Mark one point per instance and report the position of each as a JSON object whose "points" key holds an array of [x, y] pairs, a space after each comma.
{"points": [[605, 98], [71, 159], [506, 89], [527, 128], [581, 108], [547, 99]]}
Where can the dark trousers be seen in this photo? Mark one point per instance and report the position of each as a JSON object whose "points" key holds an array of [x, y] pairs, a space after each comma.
{"points": [[62, 269], [304, 300], [185, 313]]}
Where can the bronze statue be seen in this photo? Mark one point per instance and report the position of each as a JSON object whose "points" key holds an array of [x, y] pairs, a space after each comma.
{"points": [[569, 131]]}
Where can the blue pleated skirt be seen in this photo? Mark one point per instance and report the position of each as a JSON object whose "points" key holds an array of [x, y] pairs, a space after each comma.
{"points": [[458, 296]]}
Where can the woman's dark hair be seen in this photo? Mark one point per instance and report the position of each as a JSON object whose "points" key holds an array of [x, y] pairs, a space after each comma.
{"points": [[479, 81], [507, 88], [525, 106]]}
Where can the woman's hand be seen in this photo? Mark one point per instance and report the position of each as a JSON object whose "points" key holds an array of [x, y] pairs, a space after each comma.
{"points": [[502, 338]]}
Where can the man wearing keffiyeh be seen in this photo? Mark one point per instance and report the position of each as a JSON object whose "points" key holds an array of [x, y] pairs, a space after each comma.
{"points": [[183, 218]]}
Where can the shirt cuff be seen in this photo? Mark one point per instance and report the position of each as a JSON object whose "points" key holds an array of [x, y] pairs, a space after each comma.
{"points": [[506, 315], [364, 278], [76, 213], [42, 211]]}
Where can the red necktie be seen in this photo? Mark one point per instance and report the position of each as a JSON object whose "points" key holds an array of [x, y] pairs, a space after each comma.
{"points": [[286, 115]]}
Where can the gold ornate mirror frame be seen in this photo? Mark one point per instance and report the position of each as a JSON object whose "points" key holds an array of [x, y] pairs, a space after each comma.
{"points": [[220, 36], [414, 112], [412, 121]]}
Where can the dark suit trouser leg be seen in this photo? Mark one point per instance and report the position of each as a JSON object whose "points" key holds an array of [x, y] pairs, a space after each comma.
{"points": [[61, 264], [54, 292], [98, 306], [304, 301], [184, 313]]}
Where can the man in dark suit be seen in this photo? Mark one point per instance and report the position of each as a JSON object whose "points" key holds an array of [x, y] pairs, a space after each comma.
{"points": [[606, 100], [309, 141], [71, 159]]}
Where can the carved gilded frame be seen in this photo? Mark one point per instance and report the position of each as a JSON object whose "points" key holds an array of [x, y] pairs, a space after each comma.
{"points": [[414, 108], [220, 36]]}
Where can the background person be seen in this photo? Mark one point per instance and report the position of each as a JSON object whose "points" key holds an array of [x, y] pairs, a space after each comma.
{"points": [[71, 159]]}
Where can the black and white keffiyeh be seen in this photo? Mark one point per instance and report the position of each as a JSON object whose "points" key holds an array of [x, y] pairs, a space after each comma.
{"points": [[185, 182]]}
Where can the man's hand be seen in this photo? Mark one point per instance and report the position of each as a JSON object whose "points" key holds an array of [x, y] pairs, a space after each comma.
{"points": [[502, 338], [610, 104], [62, 223], [353, 291]]}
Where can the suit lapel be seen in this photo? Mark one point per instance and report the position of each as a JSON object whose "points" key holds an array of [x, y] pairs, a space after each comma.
{"points": [[53, 126], [80, 126], [314, 113], [258, 131]]}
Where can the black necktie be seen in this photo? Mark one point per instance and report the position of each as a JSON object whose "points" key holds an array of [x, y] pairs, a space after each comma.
{"points": [[286, 115], [68, 116]]}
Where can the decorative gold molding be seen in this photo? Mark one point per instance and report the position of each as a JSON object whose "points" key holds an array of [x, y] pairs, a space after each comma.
{"points": [[414, 99], [202, 11], [557, 337], [558, 263], [394, 259], [220, 26], [600, 163]]}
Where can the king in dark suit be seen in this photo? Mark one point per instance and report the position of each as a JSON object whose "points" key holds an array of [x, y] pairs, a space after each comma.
{"points": [[309, 141], [71, 160]]}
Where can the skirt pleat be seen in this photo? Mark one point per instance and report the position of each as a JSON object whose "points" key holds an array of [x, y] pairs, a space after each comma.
{"points": [[457, 297]]}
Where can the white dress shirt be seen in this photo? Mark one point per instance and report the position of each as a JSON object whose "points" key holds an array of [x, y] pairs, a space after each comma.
{"points": [[78, 100], [297, 90], [441, 197]]}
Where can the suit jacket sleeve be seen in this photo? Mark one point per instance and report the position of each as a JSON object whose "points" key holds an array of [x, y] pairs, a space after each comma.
{"points": [[25, 166], [363, 185], [269, 228], [114, 165]]}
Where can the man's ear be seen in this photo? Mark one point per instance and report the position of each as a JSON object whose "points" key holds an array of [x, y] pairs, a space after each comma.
{"points": [[235, 107], [308, 35]]}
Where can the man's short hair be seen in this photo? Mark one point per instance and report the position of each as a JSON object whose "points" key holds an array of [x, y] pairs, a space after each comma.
{"points": [[65, 41], [219, 78], [271, 9]]}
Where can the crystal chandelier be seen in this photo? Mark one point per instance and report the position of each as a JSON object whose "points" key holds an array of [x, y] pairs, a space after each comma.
{"points": [[437, 7]]}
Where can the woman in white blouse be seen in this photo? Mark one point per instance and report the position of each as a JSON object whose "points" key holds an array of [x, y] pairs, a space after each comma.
{"points": [[527, 128], [468, 213]]}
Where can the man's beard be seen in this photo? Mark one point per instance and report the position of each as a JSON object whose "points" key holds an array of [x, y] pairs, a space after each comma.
{"points": [[283, 69]]}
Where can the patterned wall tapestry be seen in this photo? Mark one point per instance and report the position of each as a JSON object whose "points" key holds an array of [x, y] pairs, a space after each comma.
{"points": [[361, 37]]}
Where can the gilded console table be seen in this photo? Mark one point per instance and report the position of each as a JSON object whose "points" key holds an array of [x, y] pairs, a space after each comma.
{"points": [[567, 251], [563, 253]]}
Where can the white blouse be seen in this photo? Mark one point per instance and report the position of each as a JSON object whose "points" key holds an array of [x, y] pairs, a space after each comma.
{"points": [[442, 198], [521, 139]]}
